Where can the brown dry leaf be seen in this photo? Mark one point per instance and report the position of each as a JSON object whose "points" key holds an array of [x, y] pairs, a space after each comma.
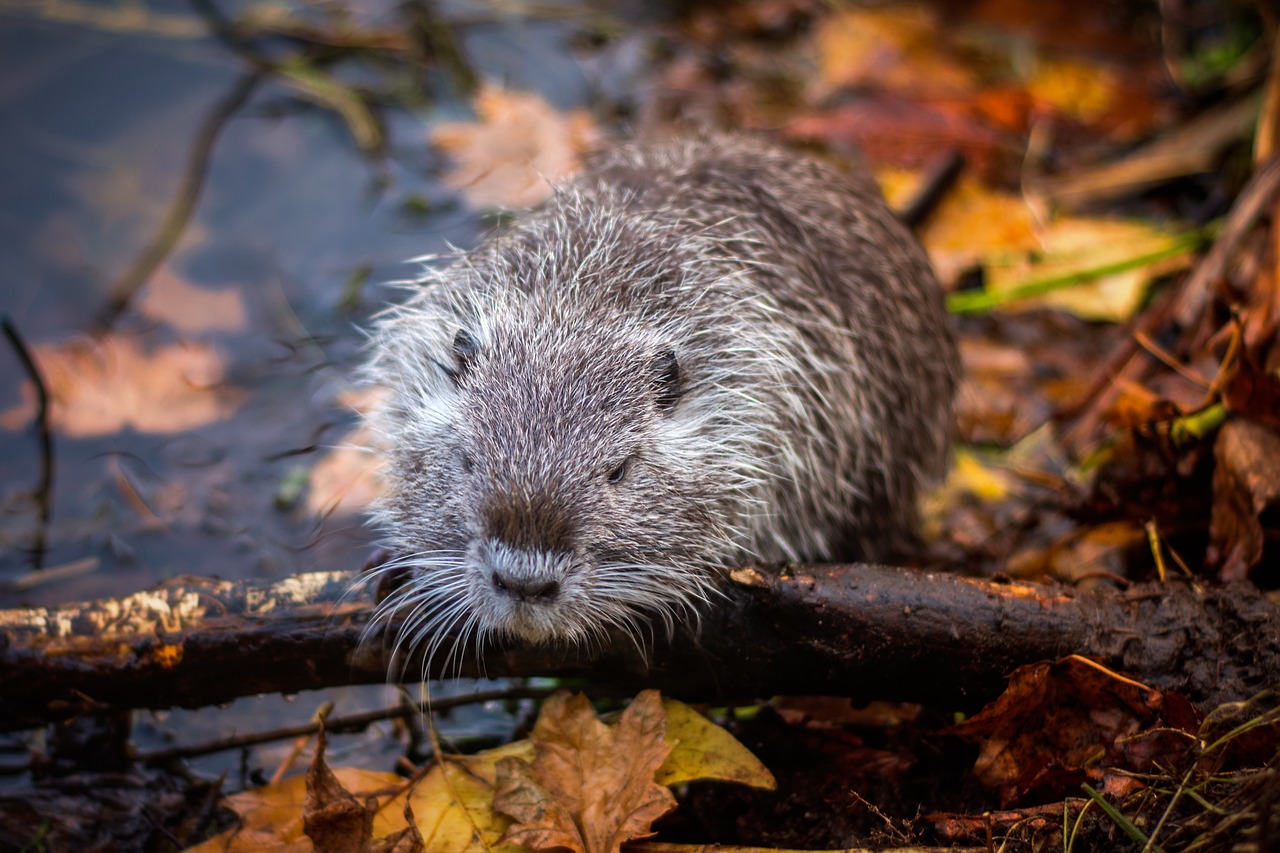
{"points": [[1253, 391], [1246, 483], [169, 298], [900, 47], [334, 819], [1081, 553], [271, 818], [1057, 724], [591, 787], [517, 150], [895, 130], [104, 386]]}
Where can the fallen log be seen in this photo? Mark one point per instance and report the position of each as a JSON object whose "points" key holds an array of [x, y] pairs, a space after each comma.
{"points": [[863, 631]]}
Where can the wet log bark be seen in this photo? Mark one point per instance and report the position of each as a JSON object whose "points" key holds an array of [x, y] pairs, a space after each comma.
{"points": [[863, 631]]}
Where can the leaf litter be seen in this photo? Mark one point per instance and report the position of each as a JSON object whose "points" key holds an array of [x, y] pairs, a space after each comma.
{"points": [[576, 783]]}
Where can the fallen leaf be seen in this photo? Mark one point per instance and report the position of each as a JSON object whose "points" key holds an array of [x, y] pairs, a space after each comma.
{"points": [[335, 820], [702, 750], [1085, 552], [1254, 392], [1058, 724], [1246, 483], [1076, 246], [896, 47], [975, 225], [893, 130], [169, 298], [517, 150], [271, 818], [574, 768], [1081, 90], [453, 804], [103, 386], [591, 787]]}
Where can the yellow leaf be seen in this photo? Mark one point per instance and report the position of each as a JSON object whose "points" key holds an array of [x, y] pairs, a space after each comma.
{"points": [[702, 750], [453, 804], [975, 224], [1083, 91], [971, 476], [1072, 246]]}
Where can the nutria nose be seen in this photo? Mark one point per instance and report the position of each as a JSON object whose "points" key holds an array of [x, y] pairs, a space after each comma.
{"points": [[525, 587]]}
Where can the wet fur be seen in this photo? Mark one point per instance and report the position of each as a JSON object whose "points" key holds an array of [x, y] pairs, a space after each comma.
{"points": [[745, 334]]}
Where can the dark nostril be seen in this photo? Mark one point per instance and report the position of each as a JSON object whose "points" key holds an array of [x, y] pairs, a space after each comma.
{"points": [[526, 588]]}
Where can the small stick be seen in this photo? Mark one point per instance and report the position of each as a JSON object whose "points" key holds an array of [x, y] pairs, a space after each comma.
{"points": [[337, 725], [44, 491], [124, 288]]}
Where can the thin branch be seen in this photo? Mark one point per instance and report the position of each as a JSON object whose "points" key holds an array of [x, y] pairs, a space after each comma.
{"points": [[123, 289], [44, 489], [349, 724]]}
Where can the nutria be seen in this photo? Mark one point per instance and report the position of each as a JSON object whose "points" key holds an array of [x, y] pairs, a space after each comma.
{"points": [[698, 354]]}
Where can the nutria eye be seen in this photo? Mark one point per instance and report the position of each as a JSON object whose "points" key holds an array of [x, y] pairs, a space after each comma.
{"points": [[467, 463], [619, 473]]}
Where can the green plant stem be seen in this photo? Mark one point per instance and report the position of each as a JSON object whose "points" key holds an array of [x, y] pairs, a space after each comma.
{"points": [[972, 301]]}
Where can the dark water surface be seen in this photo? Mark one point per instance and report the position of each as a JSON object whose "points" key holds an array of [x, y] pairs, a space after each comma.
{"points": [[98, 124]]}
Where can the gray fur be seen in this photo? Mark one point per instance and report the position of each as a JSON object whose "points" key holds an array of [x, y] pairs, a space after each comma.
{"points": [[555, 472]]}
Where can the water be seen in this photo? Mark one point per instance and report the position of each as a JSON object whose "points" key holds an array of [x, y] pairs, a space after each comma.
{"points": [[262, 298], [281, 263]]}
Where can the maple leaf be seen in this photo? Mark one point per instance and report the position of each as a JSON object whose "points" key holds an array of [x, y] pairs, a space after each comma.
{"points": [[517, 149], [590, 787], [103, 386]]}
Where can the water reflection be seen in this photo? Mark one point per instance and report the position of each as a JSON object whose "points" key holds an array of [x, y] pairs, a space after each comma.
{"points": [[257, 307]]}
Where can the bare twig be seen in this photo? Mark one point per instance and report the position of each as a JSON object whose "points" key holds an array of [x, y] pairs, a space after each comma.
{"points": [[124, 288], [44, 489], [349, 723]]}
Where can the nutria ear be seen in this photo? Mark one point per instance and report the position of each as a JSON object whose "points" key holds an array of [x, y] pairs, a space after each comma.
{"points": [[465, 350], [665, 370]]}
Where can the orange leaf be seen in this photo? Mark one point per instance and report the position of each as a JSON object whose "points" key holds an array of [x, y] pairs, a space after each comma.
{"points": [[102, 386], [590, 787], [516, 151]]}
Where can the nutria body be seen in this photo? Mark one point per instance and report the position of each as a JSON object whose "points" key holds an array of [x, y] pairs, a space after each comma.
{"points": [[699, 354]]}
